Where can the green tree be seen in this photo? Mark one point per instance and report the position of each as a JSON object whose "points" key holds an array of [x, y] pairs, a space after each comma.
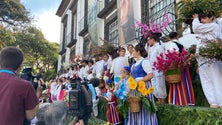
{"points": [[6, 36], [13, 13], [39, 53]]}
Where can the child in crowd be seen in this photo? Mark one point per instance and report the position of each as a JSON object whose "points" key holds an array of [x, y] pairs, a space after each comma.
{"points": [[112, 114], [93, 87], [122, 90]]}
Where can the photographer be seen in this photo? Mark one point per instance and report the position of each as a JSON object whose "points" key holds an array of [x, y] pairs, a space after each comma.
{"points": [[18, 97]]}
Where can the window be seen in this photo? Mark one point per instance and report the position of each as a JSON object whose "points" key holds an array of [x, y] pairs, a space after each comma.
{"points": [[144, 10], [113, 33], [64, 42], [158, 9], [74, 25]]}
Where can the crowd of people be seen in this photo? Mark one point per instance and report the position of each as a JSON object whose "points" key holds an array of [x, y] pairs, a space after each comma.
{"points": [[18, 96]]}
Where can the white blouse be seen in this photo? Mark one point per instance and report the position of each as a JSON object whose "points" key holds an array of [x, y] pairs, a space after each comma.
{"points": [[171, 46], [146, 64], [207, 31]]}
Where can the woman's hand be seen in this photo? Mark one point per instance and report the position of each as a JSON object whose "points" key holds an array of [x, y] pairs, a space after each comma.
{"points": [[195, 15]]}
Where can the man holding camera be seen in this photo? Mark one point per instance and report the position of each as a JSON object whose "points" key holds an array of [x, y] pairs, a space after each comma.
{"points": [[18, 100]]}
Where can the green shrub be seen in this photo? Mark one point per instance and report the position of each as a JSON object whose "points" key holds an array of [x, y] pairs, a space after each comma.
{"points": [[188, 115]]}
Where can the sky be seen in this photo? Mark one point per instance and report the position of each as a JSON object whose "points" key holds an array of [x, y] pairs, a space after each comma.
{"points": [[44, 13]]}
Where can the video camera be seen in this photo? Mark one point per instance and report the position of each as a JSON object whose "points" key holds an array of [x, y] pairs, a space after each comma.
{"points": [[27, 75], [79, 99]]}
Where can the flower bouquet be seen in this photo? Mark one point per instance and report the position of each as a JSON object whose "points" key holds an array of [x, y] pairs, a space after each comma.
{"points": [[138, 95], [171, 63], [212, 50]]}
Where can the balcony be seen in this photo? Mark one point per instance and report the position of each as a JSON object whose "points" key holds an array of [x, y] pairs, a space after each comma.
{"points": [[71, 39], [106, 8], [83, 26]]}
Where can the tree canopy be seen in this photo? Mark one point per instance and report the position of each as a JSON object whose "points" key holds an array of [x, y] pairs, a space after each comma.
{"points": [[13, 13], [15, 30], [39, 53]]}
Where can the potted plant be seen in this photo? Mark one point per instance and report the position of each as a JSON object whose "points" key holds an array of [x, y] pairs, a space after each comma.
{"points": [[171, 63]]}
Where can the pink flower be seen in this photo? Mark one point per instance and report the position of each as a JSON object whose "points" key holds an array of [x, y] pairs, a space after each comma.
{"points": [[170, 60]]}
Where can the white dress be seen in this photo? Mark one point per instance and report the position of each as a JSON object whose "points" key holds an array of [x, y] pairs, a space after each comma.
{"points": [[210, 73], [158, 80]]}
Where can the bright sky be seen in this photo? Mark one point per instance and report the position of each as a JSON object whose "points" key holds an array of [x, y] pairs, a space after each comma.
{"points": [[44, 15]]}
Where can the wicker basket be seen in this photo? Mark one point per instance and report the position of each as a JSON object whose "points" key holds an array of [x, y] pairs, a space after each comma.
{"points": [[174, 78], [134, 103]]}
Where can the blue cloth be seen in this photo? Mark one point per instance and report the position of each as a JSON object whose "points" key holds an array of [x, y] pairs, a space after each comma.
{"points": [[137, 71], [93, 92]]}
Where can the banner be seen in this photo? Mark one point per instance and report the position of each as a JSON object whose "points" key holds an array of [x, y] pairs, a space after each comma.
{"points": [[127, 31]]}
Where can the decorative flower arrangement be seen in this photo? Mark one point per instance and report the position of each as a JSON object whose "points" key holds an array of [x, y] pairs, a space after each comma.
{"points": [[213, 50], [139, 90], [172, 62], [154, 28], [138, 96], [186, 8]]}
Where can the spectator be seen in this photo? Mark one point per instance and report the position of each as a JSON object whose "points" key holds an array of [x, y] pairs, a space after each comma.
{"points": [[56, 113], [17, 96], [41, 113]]}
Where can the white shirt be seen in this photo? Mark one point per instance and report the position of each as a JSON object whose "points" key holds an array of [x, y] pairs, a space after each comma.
{"points": [[219, 22], [109, 64], [53, 88], [98, 68], [117, 64], [171, 46], [57, 91], [155, 51], [85, 72], [207, 31], [71, 72], [81, 73]]}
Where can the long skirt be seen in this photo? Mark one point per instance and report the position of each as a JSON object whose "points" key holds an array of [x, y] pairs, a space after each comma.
{"points": [[112, 114], [144, 117], [182, 93]]}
